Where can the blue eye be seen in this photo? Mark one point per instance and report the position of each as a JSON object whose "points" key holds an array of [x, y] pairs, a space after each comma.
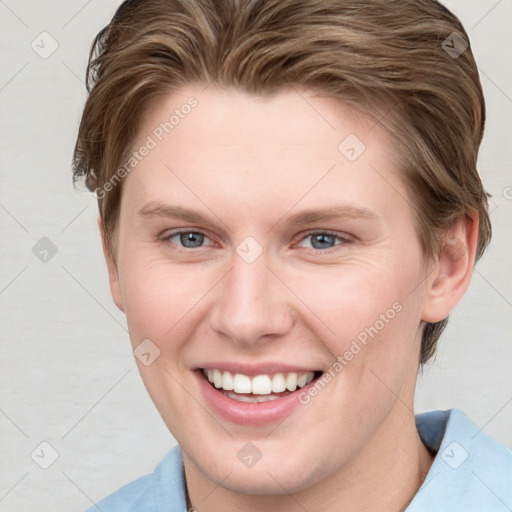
{"points": [[324, 241], [189, 239]]}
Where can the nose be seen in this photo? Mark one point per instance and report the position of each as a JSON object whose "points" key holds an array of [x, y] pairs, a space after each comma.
{"points": [[251, 304]]}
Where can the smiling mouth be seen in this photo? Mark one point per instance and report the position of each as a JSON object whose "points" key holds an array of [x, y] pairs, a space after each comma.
{"points": [[260, 388]]}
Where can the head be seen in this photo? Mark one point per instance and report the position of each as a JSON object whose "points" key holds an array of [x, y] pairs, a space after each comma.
{"points": [[249, 112]]}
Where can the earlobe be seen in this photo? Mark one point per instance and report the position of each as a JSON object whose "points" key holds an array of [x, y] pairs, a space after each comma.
{"points": [[451, 275], [113, 275]]}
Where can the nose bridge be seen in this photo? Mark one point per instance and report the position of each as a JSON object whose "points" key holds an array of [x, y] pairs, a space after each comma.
{"points": [[251, 304]]}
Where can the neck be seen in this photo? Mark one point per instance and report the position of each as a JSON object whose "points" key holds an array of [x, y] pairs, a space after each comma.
{"points": [[384, 476]]}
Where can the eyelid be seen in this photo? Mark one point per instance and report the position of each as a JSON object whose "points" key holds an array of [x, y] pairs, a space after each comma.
{"points": [[345, 237]]}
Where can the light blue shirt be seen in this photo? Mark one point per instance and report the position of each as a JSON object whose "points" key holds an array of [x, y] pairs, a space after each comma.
{"points": [[471, 472]]}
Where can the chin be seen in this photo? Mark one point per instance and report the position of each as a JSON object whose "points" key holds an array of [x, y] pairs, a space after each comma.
{"points": [[272, 475]]}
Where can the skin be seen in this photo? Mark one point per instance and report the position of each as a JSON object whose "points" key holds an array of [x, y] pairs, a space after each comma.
{"points": [[247, 163]]}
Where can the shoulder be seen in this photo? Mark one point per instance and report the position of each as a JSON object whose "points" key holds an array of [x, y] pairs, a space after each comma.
{"points": [[471, 471], [149, 493]]}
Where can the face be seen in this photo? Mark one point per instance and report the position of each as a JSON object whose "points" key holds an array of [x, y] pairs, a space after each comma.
{"points": [[262, 243]]}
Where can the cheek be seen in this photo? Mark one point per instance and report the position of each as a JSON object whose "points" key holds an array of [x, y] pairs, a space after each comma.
{"points": [[364, 312], [161, 305], [350, 297], [158, 297]]}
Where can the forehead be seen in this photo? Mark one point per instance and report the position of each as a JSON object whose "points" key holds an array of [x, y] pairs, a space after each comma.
{"points": [[303, 119], [297, 144]]}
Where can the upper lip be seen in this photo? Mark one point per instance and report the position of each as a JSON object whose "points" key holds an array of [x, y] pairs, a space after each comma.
{"points": [[251, 370]]}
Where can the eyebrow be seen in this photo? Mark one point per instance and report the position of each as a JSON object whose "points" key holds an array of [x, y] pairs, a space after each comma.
{"points": [[159, 209], [334, 212]]}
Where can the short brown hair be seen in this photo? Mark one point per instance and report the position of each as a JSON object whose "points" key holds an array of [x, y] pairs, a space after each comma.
{"points": [[407, 63]]}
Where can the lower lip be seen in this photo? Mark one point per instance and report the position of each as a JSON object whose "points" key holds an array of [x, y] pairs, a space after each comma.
{"points": [[249, 413]]}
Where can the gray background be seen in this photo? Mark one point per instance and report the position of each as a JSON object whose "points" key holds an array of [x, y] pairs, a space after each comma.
{"points": [[67, 373]]}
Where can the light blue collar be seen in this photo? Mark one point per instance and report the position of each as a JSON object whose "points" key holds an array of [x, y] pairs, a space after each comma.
{"points": [[471, 471]]}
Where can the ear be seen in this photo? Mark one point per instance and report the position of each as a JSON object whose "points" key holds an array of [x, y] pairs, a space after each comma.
{"points": [[113, 275], [450, 274]]}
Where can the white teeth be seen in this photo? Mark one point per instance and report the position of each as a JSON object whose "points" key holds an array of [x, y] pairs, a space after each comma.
{"points": [[241, 398], [227, 381], [278, 383], [309, 377], [263, 385], [241, 383], [253, 399], [301, 380], [217, 378], [291, 381]]}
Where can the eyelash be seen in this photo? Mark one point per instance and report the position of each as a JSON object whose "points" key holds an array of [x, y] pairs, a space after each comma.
{"points": [[345, 240]]}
